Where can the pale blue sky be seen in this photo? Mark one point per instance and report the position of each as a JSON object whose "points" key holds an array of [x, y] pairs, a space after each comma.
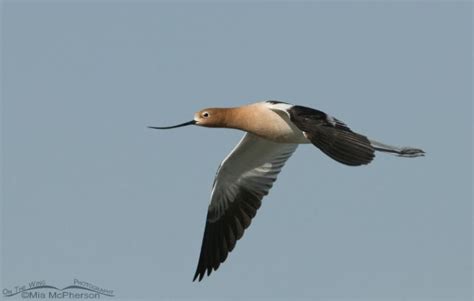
{"points": [[89, 192]]}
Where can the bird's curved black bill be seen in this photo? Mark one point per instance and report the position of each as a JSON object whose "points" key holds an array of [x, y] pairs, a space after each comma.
{"points": [[173, 126]]}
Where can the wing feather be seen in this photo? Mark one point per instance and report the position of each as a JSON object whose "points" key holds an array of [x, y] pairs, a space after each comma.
{"points": [[242, 180], [332, 136]]}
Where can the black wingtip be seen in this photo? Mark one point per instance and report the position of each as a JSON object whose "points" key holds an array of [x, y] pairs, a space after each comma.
{"points": [[199, 275], [348, 148]]}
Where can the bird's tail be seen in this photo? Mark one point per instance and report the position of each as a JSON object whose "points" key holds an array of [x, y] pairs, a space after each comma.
{"points": [[408, 152]]}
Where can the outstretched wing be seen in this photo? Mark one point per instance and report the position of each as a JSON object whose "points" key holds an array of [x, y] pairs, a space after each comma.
{"points": [[242, 180], [332, 136]]}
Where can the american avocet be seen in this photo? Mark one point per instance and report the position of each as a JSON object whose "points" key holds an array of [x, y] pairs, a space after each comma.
{"points": [[273, 131]]}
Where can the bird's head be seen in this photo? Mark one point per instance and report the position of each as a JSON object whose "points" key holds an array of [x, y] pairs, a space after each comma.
{"points": [[209, 117]]}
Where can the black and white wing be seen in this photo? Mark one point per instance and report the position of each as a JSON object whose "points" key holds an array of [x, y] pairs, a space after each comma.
{"points": [[332, 136], [242, 180]]}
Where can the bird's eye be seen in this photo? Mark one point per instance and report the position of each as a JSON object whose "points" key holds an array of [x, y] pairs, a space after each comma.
{"points": [[205, 114]]}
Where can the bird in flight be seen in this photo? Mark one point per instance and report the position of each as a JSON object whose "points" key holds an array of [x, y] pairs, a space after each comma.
{"points": [[273, 131]]}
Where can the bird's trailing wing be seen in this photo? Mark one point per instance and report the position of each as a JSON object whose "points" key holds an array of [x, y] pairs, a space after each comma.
{"points": [[332, 136]]}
